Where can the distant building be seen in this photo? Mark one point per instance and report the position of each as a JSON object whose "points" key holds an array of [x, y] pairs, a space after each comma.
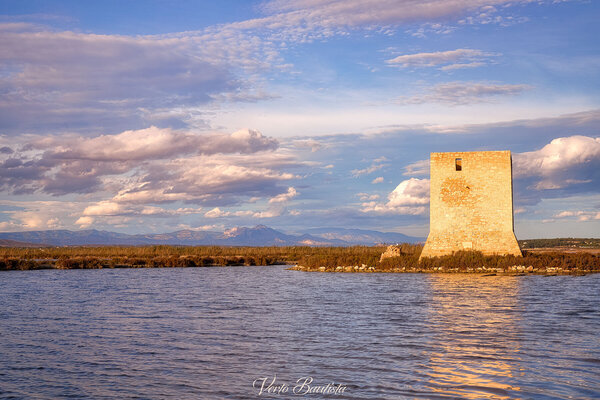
{"points": [[471, 204]]}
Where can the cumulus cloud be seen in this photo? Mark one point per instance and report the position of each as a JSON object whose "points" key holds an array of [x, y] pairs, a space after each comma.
{"points": [[112, 213], [449, 60], [565, 161], [579, 215], [461, 93], [152, 143], [111, 208], [138, 174], [269, 213], [218, 213], [410, 192], [379, 179], [84, 222], [215, 213], [203, 180], [284, 197], [37, 215], [366, 196], [65, 164], [277, 207], [409, 197]]}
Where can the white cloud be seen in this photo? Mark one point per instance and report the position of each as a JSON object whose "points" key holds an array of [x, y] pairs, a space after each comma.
{"points": [[366, 196], [331, 14], [559, 154], [203, 179], [75, 164], [111, 208], [121, 82], [379, 179], [269, 213], [216, 213], [10, 226], [152, 143], [104, 208], [375, 166], [84, 222], [581, 215], [409, 197], [462, 93], [38, 215], [312, 144], [488, 14], [410, 192], [284, 197], [420, 167], [451, 59], [132, 175], [564, 162], [452, 67]]}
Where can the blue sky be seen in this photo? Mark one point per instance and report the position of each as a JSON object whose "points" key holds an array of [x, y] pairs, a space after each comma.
{"points": [[154, 116]]}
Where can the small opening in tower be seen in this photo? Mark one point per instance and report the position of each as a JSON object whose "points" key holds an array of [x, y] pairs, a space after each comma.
{"points": [[458, 163]]}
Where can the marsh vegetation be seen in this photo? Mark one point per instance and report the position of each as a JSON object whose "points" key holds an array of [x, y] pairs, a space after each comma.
{"points": [[338, 259]]}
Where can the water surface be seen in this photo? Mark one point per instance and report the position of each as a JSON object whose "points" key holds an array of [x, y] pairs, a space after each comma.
{"points": [[209, 333]]}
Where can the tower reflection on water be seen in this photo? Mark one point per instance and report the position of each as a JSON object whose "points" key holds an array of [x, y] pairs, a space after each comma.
{"points": [[476, 330]]}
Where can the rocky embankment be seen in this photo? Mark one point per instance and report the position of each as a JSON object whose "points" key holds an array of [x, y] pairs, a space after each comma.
{"points": [[400, 258], [515, 270]]}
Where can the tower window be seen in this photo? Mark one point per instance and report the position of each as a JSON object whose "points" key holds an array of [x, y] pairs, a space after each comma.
{"points": [[458, 164]]}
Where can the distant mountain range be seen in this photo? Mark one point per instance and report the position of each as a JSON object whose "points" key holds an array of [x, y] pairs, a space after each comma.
{"points": [[14, 243], [259, 235]]}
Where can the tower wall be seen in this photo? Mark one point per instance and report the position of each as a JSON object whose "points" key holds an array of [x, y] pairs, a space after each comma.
{"points": [[471, 208]]}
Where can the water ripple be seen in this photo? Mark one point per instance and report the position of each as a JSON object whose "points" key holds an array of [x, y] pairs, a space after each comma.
{"points": [[208, 333]]}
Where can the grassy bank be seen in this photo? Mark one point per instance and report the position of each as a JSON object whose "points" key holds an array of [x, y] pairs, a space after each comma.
{"points": [[576, 243], [331, 259], [459, 262], [171, 256]]}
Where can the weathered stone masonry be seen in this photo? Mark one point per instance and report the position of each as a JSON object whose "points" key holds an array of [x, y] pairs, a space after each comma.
{"points": [[471, 204]]}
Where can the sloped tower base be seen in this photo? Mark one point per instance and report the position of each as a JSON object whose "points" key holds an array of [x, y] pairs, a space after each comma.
{"points": [[489, 243]]}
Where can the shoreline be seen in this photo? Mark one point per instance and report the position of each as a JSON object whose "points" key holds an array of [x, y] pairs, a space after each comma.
{"points": [[402, 258], [477, 271]]}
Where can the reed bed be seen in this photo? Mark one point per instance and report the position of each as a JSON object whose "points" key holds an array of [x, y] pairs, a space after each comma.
{"points": [[346, 259]]}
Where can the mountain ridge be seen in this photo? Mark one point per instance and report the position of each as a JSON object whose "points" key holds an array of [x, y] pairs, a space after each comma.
{"points": [[259, 235]]}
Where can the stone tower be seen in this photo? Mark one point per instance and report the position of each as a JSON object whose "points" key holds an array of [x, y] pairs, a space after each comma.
{"points": [[471, 205]]}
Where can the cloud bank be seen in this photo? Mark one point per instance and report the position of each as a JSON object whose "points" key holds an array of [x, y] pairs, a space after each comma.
{"points": [[464, 93]]}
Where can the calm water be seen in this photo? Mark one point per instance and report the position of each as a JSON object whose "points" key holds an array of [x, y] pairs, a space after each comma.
{"points": [[209, 333]]}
